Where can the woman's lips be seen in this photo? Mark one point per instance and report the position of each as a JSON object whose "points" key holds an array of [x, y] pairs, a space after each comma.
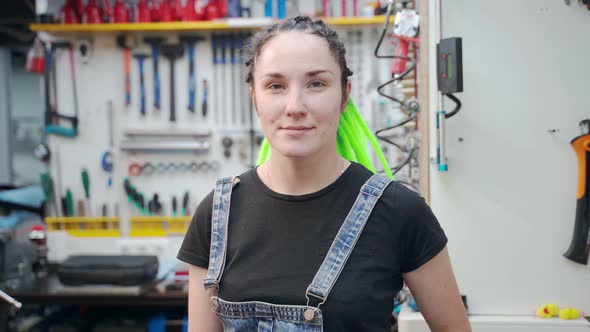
{"points": [[296, 131], [296, 128]]}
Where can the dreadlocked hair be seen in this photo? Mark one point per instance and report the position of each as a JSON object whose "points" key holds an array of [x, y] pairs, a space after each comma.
{"points": [[353, 137]]}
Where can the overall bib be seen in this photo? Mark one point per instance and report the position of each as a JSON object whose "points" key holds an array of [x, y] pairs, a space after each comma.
{"points": [[267, 317]]}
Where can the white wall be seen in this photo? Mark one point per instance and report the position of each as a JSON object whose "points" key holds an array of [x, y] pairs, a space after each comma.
{"points": [[508, 200], [101, 79]]}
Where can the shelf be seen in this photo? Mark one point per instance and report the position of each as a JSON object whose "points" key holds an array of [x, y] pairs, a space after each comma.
{"points": [[225, 24]]}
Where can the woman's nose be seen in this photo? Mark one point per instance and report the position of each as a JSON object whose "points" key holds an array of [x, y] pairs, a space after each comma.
{"points": [[294, 104]]}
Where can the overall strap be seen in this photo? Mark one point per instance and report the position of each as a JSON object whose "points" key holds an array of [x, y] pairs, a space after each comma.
{"points": [[346, 238], [219, 221]]}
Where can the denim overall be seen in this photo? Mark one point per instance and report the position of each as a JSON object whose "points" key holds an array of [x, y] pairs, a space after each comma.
{"points": [[262, 316]]}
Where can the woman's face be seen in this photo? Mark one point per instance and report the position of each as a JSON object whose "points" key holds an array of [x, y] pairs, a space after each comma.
{"points": [[298, 94]]}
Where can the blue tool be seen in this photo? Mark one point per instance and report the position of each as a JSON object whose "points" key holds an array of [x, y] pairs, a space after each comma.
{"points": [[155, 43], [140, 58], [215, 72], [234, 8], [222, 40], [240, 60], [268, 8], [106, 161], [282, 11], [191, 42], [232, 52]]}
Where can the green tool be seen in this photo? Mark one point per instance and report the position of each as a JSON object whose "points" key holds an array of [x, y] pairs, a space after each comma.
{"points": [[47, 185], [69, 204], [86, 183], [185, 200]]}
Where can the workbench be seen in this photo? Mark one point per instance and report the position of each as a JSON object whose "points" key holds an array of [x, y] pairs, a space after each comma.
{"points": [[93, 307]]}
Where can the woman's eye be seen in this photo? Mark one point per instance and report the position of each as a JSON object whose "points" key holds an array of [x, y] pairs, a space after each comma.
{"points": [[317, 84], [274, 86]]}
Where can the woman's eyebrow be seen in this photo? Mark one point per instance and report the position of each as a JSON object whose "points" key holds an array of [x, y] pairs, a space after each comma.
{"points": [[318, 72], [308, 74]]}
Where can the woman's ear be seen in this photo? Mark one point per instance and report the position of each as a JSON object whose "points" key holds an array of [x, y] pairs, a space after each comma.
{"points": [[253, 97], [345, 100]]}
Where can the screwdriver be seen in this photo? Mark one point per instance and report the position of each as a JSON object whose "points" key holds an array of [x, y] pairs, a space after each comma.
{"points": [[205, 93], [69, 204], [86, 183], [174, 206], [47, 185], [185, 204], [232, 66]]}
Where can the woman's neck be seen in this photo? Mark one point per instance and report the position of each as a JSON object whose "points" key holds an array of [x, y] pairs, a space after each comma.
{"points": [[300, 176]]}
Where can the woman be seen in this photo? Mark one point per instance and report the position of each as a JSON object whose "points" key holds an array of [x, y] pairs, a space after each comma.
{"points": [[312, 241]]}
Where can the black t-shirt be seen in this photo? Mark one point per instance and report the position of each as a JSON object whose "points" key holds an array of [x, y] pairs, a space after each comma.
{"points": [[276, 244]]}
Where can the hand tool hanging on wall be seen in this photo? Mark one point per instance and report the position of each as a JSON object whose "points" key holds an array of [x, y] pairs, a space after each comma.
{"points": [[579, 248], [68, 204], [142, 12], [107, 11], [155, 43], [191, 42], [57, 184], [242, 79], [205, 97], [140, 58], [68, 14], [49, 191], [172, 52], [120, 12], [51, 115], [134, 196], [124, 43], [216, 78], [174, 206], [225, 80], [86, 184], [232, 68], [185, 201], [107, 157]]}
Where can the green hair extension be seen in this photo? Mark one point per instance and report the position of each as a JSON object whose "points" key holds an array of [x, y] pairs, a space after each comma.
{"points": [[351, 141], [369, 135]]}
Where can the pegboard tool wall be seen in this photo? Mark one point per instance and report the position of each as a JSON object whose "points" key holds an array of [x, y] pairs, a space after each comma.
{"points": [[508, 200], [101, 79]]}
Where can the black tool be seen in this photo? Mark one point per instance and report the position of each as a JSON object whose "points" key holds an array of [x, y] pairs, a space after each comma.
{"points": [[174, 206], [579, 248], [155, 43], [51, 114], [156, 204], [185, 200], [172, 52], [140, 58], [191, 42], [205, 97]]}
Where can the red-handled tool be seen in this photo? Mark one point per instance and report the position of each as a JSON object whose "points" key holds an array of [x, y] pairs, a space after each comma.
{"points": [[120, 12], [92, 13]]}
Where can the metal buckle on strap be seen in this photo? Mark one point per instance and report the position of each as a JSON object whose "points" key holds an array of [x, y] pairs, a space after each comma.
{"points": [[215, 303], [310, 312]]}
